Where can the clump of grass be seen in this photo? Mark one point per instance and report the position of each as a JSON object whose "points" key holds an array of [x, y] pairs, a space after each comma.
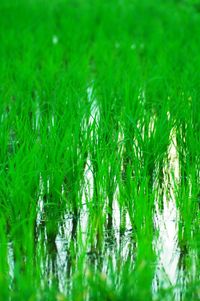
{"points": [[99, 135]]}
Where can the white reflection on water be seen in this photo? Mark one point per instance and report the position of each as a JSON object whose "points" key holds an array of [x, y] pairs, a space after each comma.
{"points": [[166, 221]]}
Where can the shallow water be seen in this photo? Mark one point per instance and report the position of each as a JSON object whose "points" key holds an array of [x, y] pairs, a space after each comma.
{"points": [[73, 235]]}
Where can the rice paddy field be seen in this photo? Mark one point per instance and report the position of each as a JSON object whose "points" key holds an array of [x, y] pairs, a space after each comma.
{"points": [[99, 150]]}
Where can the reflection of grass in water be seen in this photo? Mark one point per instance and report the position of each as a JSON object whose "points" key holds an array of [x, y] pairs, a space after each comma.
{"points": [[59, 238]]}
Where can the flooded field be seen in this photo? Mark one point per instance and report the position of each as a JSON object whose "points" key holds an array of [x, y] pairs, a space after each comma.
{"points": [[100, 151]]}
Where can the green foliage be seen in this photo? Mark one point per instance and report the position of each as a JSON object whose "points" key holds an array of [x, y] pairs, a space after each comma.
{"points": [[99, 113]]}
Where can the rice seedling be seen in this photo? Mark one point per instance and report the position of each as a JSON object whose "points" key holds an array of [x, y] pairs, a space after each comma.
{"points": [[99, 150]]}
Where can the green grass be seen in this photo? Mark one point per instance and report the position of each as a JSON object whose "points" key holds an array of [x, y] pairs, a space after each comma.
{"points": [[93, 96]]}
